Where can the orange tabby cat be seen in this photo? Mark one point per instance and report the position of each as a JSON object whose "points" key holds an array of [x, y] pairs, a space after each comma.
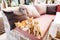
{"points": [[32, 25], [23, 23]]}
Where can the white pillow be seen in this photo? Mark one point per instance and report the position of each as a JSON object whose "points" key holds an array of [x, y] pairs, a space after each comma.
{"points": [[33, 11], [41, 8]]}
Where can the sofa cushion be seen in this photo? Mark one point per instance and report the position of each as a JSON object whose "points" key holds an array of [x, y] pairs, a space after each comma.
{"points": [[32, 11], [44, 24], [15, 15], [58, 8], [41, 8], [51, 9]]}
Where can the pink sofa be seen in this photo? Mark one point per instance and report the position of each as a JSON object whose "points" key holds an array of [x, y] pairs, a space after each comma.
{"points": [[40, 15], [44, 20]]}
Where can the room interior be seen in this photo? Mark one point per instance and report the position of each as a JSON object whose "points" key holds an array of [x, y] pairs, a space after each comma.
{"points": [[30, 20]]}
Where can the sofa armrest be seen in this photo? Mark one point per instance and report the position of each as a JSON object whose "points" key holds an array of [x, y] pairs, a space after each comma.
{"points": [[1, 23]]}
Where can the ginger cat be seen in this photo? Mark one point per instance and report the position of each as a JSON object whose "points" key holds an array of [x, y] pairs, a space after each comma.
{"points": [[32, 25], [24, 23]]}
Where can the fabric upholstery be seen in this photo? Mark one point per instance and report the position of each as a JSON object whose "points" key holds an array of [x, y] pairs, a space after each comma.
{"points": [[58, 8], [43, 20], [28, 10], [44, 23], [1, 24], [40, 8], [51, 9], [32, 11]]}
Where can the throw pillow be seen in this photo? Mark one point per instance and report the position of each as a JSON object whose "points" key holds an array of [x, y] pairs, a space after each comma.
{"points": [[10, 19], [32, 11], [41, 8], [51, 10]]}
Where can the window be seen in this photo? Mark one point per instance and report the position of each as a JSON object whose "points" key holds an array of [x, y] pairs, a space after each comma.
{"points": [[14, 3], [18, 1], [0, 1]]}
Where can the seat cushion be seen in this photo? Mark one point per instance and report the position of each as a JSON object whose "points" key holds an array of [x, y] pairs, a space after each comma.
{"points": [[44, 23]]}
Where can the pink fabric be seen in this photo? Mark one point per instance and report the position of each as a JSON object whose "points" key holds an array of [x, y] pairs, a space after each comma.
{"points": [[41, 8], [26, 34], [58, 8], [44, 22]]}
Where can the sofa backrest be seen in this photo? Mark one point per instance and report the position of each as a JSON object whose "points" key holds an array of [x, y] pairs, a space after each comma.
{"points": [[46, 8]]}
